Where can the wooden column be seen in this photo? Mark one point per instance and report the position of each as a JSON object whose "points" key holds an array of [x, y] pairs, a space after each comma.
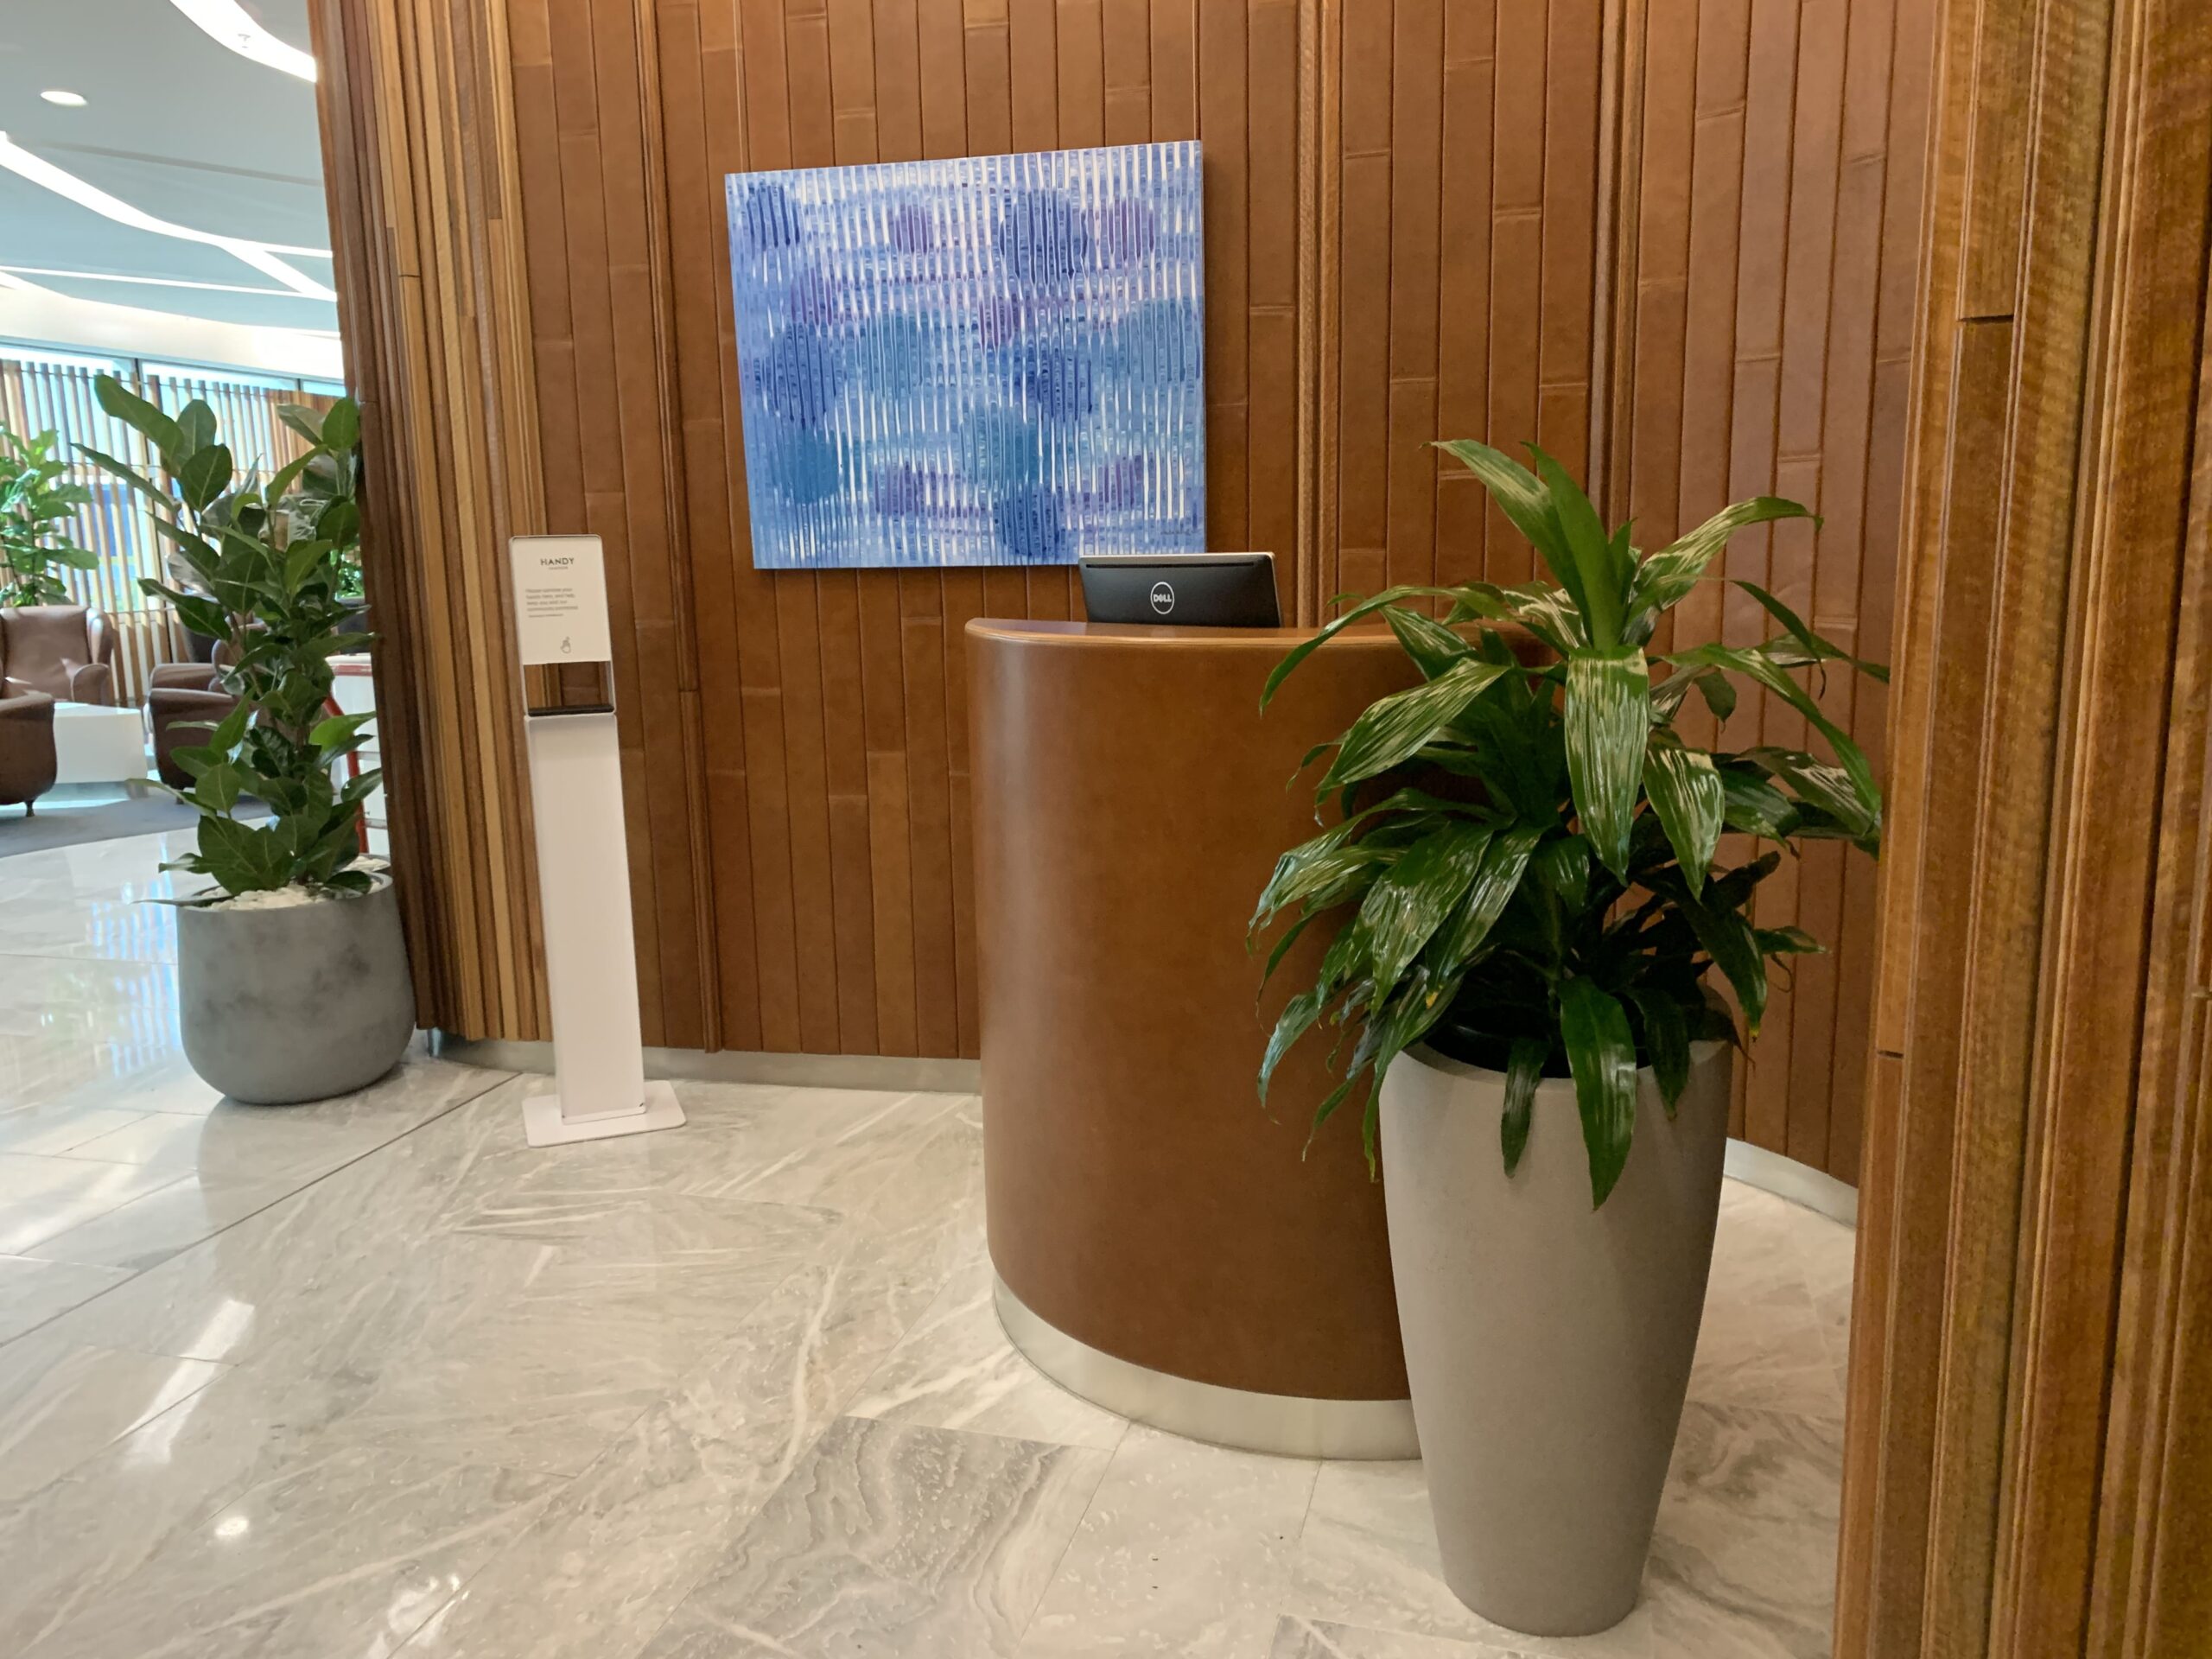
{"points": [[2026, 1448], [418, 152]]}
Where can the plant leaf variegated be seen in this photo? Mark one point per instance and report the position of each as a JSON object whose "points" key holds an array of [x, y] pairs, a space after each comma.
{"points": [[1523, 865], [263, 566]]}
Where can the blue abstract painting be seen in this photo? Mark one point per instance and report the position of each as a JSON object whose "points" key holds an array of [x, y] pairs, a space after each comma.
{"points": [[994, 361]]}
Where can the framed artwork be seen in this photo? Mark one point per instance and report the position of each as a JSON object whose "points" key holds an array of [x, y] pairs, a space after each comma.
{"points": [[993, 361]]}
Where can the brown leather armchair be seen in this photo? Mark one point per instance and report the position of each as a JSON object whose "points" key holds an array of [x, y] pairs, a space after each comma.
{"points": [[177, 695], [66, 650], [27, 757]]}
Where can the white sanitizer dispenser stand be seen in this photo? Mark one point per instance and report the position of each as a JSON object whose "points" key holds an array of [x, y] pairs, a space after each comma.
{"points": [[600, 1087]]}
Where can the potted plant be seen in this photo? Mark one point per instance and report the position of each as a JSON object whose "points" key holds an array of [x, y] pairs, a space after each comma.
{"points": [[291, 971], [1525, 865], [36, 499]]}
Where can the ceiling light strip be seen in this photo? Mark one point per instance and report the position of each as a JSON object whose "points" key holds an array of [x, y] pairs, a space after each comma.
{"points": [[262, 256], [231, 26]]}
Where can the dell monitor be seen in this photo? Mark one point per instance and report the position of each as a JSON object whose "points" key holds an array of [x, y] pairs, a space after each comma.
{"points": [[1199, 590]]}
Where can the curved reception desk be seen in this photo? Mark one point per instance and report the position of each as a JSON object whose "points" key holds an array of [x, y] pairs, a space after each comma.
{"points": [[1162, 1246]]}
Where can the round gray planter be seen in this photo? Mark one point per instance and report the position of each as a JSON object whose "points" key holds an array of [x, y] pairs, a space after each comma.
{"points": [[295, 1003], [1548, 1345]]}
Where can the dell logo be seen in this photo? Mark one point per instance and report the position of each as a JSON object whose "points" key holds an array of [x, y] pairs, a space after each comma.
{"points": [[1163, 598]]}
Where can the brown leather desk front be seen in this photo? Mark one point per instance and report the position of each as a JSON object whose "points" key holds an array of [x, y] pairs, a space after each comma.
{"points": [[1130, 802]]}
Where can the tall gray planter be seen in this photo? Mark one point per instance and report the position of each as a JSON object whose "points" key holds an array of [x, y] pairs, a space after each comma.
{"points": [[295, 1003], [1549, 1346]]}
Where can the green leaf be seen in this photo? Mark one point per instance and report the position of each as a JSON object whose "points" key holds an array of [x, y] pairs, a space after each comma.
{"points": [[217, 787], [334, 733], [342, 425], [1788, 942], [139, 415], [1759, 668], [1504, 861], [1726, 938], [1527, 505], [1601, 1054], [1814, 647], [1329, 631], [1686, 794], [1311, 865], [1406, 907], [1755, 806], [123, 470], [303, 419], [1563, 865], [241, 858], [1393, 729], [1524, 1069], [1297, 1018], [205, 473], [195, 426], [1608, 717], [1433, 647], [1666, 576], [1600, 562], [1666, 1040]]}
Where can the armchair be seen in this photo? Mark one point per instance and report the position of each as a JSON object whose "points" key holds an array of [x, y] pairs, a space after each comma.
{"points": [[28, 762], [68, 651], [178, 694]]}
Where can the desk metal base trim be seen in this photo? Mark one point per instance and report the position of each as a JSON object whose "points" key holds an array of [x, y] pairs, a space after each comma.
{"points": [[1284, 1424]]}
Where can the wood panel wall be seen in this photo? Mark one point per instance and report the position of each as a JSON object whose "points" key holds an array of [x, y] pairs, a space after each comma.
{"points": [[1669, 239], [2027, 1443], [1761, 299]]}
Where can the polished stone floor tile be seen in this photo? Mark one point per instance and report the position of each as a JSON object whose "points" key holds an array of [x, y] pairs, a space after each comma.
{"points": [[346, 1552], [373, 1376], [1763, 1344], [956, 1369], [44, 1131], [61, 1404], [890, 1543], [1186, 1550], [610, 1558], [1744, 1565], [43, 1197], [1304, 1638], [146, 1232], [32, 1293]]}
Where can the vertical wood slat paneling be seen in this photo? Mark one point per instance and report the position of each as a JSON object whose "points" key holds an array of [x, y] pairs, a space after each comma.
{"points": [[1770, 237], [2025, 1455], [1404, 208], [425, 228]]}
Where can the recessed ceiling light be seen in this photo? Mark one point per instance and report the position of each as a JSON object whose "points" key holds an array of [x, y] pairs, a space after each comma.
{"points": [[67, 101]]}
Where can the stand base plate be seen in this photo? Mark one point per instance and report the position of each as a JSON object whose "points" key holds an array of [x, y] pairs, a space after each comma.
{"points": [[544, 1126]]}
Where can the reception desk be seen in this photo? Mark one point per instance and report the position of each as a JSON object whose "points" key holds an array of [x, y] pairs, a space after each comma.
{"points": [[1161, 1245]]}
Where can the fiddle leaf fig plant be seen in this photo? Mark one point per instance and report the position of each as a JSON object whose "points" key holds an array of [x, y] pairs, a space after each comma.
{"points": [[1524, 860], [266, 561], [36, 499]]}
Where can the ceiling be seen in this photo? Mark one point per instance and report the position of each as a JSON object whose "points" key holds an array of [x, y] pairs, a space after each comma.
{"points": [[176, 125]]}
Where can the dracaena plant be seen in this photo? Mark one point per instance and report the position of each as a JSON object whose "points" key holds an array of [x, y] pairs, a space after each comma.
{"points": [[1523, 862], [36, 499], [266, 562]]}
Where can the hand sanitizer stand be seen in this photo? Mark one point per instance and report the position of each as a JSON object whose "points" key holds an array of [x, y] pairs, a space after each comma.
{"points": [[600, 1087]]}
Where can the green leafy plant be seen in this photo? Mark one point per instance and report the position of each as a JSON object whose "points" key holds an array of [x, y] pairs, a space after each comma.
{"points": [[36, 499], [266, 560], [1523, 862]]}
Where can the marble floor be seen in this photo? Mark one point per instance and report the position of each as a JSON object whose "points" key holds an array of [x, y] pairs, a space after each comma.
{"points": [[371, 1378]]}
